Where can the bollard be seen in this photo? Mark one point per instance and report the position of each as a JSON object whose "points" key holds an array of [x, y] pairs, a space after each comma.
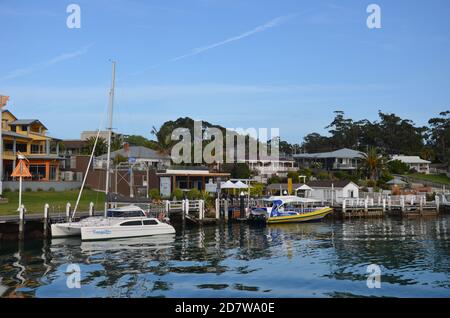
{"points": [[436, 198], [21, 222], [68, 211], [91, 209], [384, 205], [366, 204], [344, 206]]}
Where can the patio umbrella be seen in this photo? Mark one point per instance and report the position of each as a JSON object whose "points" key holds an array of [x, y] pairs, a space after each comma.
{"points": [[228, 185], [241, 185]]}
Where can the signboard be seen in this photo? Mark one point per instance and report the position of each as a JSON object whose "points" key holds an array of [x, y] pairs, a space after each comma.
{"points": [[211, 187], [165, 186], [131, 160]]}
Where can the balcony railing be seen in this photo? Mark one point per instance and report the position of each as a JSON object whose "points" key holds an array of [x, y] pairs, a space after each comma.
{"points": [[344, 166]]}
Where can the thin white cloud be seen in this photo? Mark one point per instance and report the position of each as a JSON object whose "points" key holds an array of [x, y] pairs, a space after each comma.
{"points": [[261, 28], [39, 66]]}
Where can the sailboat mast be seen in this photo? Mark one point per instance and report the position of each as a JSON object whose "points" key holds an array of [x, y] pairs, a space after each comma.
{"points": [[110, 119]]}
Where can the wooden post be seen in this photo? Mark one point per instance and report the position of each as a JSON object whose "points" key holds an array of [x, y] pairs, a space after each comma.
{"points": [[167, 206], [46, 209], [68, 218], [402, 203], [436, 198], [366, 205], [344, 206], [91, 209], [421, 205], [217, 208], [201, 212], [21, 222], [187, 206], [183, 210], [225, 210], [384, 205], [390, 203], [22, 212]]}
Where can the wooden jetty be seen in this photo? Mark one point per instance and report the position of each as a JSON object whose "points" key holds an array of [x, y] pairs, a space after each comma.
{"points": [[411, 205]]}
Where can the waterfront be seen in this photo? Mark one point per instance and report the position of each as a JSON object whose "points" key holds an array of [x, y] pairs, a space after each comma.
{"points": [[327, 259]]}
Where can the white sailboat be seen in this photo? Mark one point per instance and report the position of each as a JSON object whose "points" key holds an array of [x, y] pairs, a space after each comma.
{"points": [[123, 222]]}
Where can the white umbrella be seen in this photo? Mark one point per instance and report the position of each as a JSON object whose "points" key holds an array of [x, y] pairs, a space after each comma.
{"points": [[228, 185], [241, 185]]}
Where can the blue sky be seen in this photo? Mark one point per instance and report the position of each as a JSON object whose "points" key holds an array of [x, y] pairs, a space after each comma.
{"points": [[238, 63]]}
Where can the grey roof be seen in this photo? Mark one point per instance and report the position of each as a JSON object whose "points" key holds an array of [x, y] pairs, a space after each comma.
{"points": [[312, 184], [341, 153], [26, 122], [138, 152]]}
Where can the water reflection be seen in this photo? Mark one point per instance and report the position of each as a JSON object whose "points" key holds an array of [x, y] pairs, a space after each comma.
{"points": [[289, 260]]}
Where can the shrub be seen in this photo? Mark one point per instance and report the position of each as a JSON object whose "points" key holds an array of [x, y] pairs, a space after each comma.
{"points": [[39, 189], [397, 167], [274, 179], [177, 194], [6, 190], [51, 189], [154, 194], [28, 190], [257, 190], [194, 194]]}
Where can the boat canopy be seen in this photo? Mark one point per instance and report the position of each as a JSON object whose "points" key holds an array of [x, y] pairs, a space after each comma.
{"points": [[292, 199]]}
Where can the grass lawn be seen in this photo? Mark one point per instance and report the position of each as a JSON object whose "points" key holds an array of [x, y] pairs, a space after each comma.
{"points": [[437, 178], [34, 201]]}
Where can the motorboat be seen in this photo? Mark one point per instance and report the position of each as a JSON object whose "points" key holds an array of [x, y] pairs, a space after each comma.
{"points": [[123, 222], [289, 209]]}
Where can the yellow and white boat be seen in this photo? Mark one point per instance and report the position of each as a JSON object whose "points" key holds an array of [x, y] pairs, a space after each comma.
{"points": [[289, 209]]}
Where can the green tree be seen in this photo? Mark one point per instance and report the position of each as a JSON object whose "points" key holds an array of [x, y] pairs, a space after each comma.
{"points": [[397, 167], [373, 164], [439, 136], [294, 176], [100, 149]]}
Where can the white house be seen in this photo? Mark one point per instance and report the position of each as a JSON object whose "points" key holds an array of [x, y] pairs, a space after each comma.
{"points": [[324, 190], [328, 190], [414, 162]]}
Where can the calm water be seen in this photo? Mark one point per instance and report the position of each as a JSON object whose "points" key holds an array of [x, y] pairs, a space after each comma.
{"points": [[326, 259]]}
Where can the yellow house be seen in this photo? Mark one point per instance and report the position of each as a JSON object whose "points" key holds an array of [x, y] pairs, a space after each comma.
{"points": [[29, 137]]}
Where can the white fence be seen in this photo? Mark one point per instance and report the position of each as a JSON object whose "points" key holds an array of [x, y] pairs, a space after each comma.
{"points": [[186, 207]]}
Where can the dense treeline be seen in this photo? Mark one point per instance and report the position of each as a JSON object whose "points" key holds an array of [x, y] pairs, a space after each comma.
{"points": [[390, 134]]}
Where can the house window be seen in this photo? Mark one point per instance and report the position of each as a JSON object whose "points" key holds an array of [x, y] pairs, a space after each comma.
{"points": [[24, 128], [37, 172], [53, 173]]}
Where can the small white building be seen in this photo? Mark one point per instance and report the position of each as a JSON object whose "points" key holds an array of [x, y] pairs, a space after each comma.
{"points": [[414, 162], [328, 190], [324, 190]]}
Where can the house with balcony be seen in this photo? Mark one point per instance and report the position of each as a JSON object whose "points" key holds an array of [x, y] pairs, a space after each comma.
{"points": [[414, 162], [29, 137], [268, 168], [343, 159]]}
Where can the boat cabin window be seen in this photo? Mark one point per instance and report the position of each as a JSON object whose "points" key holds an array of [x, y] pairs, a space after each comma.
{"points": [[150, 222], [131, 223], [122, 214]]}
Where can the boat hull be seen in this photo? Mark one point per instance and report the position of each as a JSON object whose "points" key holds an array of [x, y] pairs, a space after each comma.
{"points": [[65, 230], [305, 217], [114, 232]]}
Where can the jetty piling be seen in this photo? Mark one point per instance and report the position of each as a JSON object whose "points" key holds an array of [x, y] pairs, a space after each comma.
{"points": [[68, 217], [91, 209]]}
